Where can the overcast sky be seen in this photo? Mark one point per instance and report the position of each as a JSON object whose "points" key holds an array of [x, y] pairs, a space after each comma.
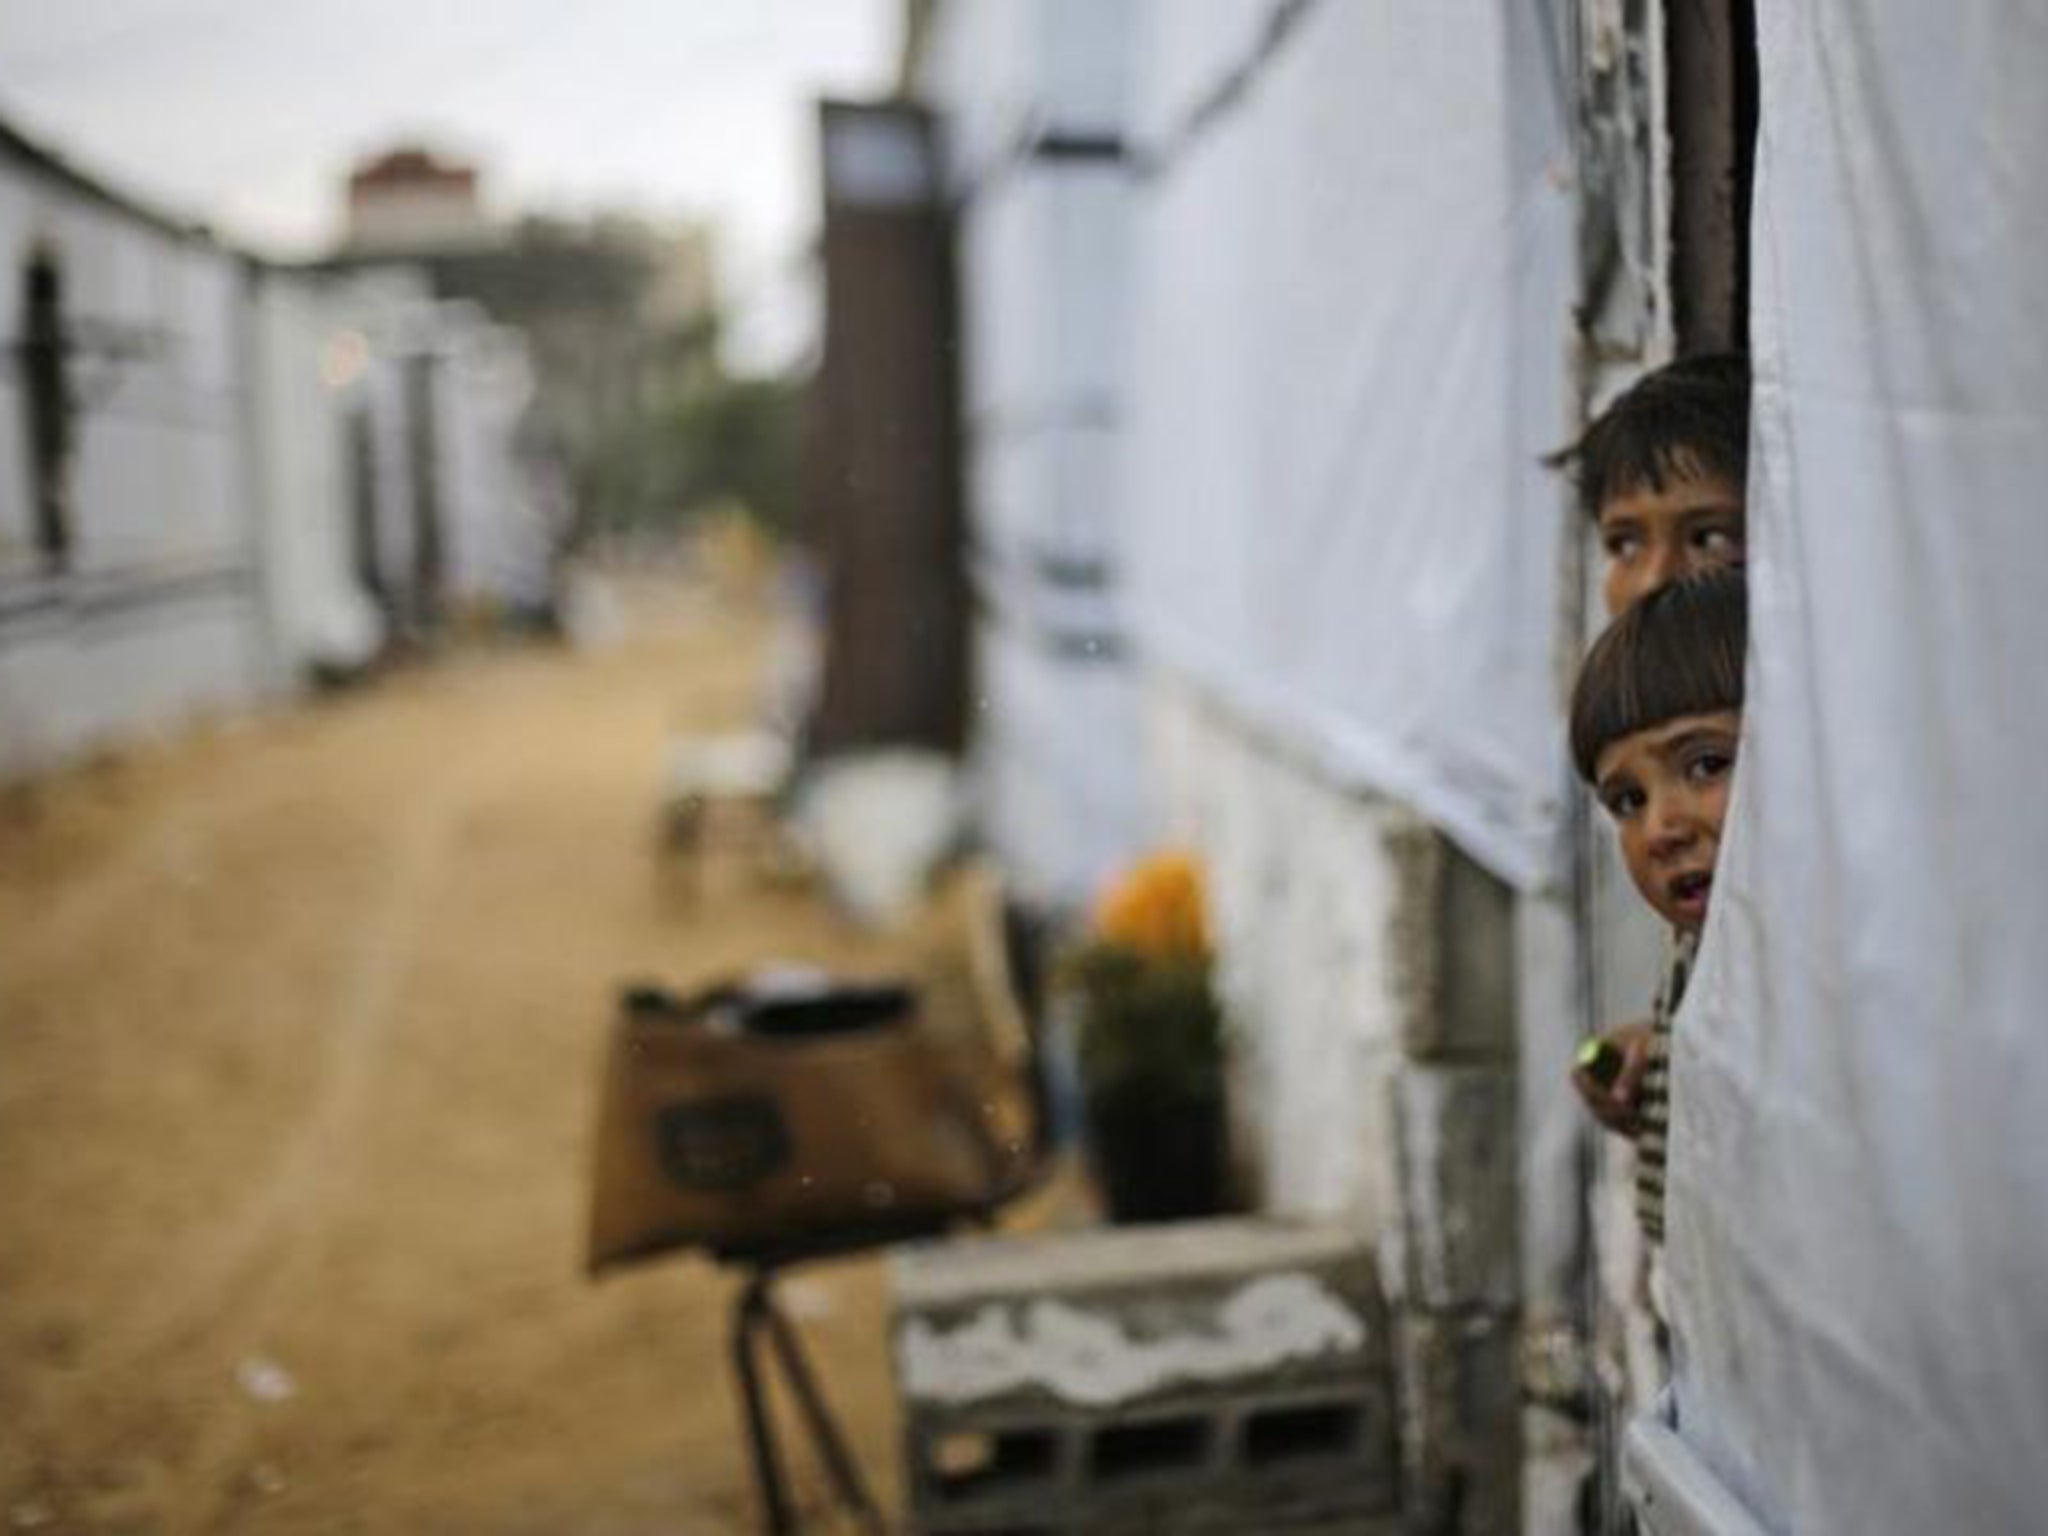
{"points": [[248, 113]]}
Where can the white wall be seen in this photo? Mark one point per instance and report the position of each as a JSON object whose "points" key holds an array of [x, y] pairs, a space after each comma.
{"points": [[497, 536], [319, 615], [1352, 290], [158, 617], [213, 559], [1043, 258], [1307, 886], [500, 542], [388, 309]]}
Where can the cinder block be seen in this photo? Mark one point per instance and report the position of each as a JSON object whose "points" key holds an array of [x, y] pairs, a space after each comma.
{"points": [[1461, 1423], [1457, 1241], [1197, 1376]]}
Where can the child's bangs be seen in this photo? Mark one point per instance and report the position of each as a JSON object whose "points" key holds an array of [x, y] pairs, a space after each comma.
{"points": [[1677, 652], [1648, 462]]}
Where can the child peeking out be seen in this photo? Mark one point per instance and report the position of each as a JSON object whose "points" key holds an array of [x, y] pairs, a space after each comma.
{"points": [[1660, 474], [1655, 719]]}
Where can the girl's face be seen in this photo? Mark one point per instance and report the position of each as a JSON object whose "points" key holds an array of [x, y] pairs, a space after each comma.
{"points": [[1653, 537], [1667, 789]]}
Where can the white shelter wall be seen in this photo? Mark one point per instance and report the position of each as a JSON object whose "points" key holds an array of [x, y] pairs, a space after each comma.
{"points": [[1001, 69], [67, 686], [156, 437], [1055, 739], [1188, 48], [1305, 887], [1345, 371], [1043, 254], [500, 548], [157, 615], [319, 613]]}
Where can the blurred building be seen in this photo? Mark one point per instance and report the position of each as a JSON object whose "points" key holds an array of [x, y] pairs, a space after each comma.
{"points": [[619, 313], [131, 554], [221, 480], [453, 510], [409, 202]]}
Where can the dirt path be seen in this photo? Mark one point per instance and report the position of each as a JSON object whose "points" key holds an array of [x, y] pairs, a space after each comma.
{"points": [[299, 1031]]}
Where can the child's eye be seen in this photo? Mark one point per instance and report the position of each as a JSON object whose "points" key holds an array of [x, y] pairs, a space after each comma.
{"points": [[1718, 543], [1621, 801], [1622, 546], [1709, 764]]}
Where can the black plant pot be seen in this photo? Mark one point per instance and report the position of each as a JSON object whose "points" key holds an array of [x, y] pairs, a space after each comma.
{"points": [[1158, 1155]]}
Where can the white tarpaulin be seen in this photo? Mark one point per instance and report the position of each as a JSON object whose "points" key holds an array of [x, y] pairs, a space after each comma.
{"points": [[1352, 287], [1034, 95], [1859, 1208]]}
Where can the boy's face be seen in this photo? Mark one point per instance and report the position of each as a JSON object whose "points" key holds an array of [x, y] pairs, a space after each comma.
{"points": [[1667, 789], [1653, 537]]}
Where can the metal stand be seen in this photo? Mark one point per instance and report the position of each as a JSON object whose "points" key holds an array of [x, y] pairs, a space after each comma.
{"points": [[756, 1319]]}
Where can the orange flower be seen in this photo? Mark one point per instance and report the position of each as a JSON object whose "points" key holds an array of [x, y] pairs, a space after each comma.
{"points": [[1157, 909]]}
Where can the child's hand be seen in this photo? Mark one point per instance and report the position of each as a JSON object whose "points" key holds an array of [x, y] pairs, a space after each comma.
{"points": [[1611, 1082]]}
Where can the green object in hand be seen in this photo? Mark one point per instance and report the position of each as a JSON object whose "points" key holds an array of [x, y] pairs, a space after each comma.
{"points": [[1600, 1059]]}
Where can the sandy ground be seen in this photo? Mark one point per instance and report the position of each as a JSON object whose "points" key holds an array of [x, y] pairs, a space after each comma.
{"points": [[300, 1023]]}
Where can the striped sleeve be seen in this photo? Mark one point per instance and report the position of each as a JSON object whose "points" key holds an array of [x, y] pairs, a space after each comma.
{"points": [[1654, 1102]]}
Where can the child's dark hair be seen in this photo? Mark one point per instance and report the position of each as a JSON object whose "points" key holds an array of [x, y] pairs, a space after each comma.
{"points": [[1678, 651], [1690, 417]]}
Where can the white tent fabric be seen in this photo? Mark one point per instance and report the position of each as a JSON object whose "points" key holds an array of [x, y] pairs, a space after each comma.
{"points": [[1352, 283], [1043, 261], [1859, 1205]]}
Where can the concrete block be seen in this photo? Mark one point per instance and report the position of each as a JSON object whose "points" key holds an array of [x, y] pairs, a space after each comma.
{"points": [[1196, 1376], [1457, 1241], [1461, 1423]]}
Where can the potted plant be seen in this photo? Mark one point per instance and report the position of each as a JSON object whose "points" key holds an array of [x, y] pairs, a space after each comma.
{"points": [[1150, 1046]]}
